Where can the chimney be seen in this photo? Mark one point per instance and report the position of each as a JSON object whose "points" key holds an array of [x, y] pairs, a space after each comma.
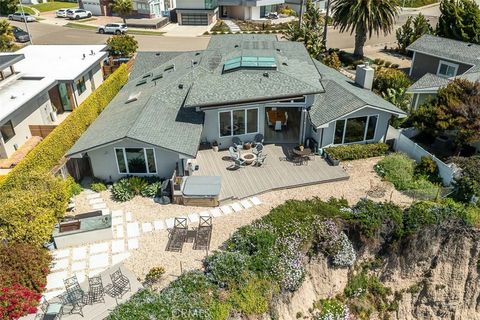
{"points": [[364, 76]]}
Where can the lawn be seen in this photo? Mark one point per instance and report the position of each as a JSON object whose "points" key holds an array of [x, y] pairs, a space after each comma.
{"points": [[52, 6], [26, 10]]}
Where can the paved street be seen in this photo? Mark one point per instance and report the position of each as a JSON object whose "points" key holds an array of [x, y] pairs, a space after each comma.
{"points": [[46, 33]]}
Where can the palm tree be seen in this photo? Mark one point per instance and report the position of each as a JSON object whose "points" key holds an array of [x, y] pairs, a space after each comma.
{"points": [[123, 8], [362, 17]]}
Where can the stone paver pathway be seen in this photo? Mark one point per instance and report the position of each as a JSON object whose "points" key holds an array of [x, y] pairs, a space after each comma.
{"points": [[232, 26]]}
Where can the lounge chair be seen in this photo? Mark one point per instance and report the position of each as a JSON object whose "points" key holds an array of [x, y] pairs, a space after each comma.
{"points": [[237, 143], [178, 235], [204, 234]]}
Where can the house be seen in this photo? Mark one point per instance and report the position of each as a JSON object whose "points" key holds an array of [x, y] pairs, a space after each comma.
{"points": [[141, 8], [241, 85], [436, 61], [40, 85]]}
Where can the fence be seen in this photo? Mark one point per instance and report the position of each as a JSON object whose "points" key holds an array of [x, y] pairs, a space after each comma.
{"points": [[403, 144]]}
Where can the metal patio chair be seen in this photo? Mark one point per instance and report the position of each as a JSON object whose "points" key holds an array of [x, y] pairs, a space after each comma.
{"points": [[120, 285], [95, 292]]}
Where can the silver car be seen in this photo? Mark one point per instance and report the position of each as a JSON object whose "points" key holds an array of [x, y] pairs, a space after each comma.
{"points": [[19, 16], [116, 28]]}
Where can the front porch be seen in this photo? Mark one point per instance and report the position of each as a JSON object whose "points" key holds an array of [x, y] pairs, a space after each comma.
{"points": [[276, 173]]}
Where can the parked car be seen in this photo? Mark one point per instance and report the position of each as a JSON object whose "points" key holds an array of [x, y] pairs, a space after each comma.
{"points": [[116, 28], [61, 13], [19, 16], [78, 14], [20, 35]]}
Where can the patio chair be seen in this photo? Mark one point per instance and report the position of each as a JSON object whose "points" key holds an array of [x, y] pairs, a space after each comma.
{"points": [[50, 311], [119, 286], [204, 234], [234, 154], [163, 193], [237, 143], [260, 160], [95, 292], [258, 138], [178, 235], [72, 302], [258, 149], [238, 163]]}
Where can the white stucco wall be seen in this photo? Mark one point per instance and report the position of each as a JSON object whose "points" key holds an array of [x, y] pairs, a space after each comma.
{"points": [[328, 132], [35, 112], [104, 163], [190, 4]]}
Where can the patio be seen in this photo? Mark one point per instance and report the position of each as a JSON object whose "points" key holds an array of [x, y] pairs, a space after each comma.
{"points": [[275, 174]]}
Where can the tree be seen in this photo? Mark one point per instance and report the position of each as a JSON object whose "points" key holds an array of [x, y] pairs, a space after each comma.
{"points": [[455, 109], [6, 36], [310, 31], [332, 61], [123, 8], [8, 6], [459, 20], [364, 17], [123, 45], [388, 78], [413, 29]]}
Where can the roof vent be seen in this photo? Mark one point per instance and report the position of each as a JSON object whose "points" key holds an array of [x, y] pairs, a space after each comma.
{"points": [[170, 67], [157, 76], [133, 97], [197, 53], [285, 64], [180, 86], [145, 76], [278, 49], [236, 46], [265, 74], [141, 82], [157, 54], [469, 45]]}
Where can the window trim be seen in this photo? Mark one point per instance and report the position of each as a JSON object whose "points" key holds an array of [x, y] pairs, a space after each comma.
{"points": [[13, 129], [364, 133], [231, 122], [84, 85], [449, 64], [126, 162]]}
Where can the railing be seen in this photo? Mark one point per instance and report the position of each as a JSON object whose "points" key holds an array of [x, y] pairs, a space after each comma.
{"points": [[403, 144]]}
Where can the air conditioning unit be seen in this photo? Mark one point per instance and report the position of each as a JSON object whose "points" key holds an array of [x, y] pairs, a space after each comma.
{"points": [[53, 116]]}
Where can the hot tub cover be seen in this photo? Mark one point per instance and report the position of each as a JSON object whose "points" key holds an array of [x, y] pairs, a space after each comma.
{"points": [[202, 186]]}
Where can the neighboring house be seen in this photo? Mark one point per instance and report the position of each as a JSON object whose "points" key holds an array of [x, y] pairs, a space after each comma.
{"points": [[196, 12], [40, 84], [436, 61], [141, 8], [241, 85]]}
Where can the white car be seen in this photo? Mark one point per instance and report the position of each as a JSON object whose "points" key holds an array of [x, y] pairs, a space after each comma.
{"points": [[116, 28], [61, 13], [78, 14], [18, 16]]}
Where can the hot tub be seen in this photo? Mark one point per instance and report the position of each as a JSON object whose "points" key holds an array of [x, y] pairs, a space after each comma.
{"points": [[201, 191], [83, 229]]}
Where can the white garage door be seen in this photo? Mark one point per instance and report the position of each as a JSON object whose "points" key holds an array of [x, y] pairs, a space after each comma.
{"points": [[94, 7]]}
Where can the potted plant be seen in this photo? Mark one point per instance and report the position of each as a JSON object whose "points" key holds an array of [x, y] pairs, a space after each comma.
{"points": [[215, 146], [331, 159], [300, 147]]}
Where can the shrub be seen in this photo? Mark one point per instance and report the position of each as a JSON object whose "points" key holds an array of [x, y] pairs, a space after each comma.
{"points": [[332, 60], [150, 190], [331, 309], [357, 151], [25, 265], [346, 256], [387, 78], [127, 188], [254, 297], [227, 269], [427, 167], [98, 186], [121, 190], [397, 168], [395, 65], [73, 187], [387, 64], [290, 270], [154, 275], [122, 45], [17, 301], [327, 237], [468, 184], [51, 150]]}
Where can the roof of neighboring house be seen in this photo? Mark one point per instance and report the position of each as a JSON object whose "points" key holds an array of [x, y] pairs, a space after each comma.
{"points": [[449, 49], [428, 82], [9, 59], [170, 87], [342, 96], [39, 67]]}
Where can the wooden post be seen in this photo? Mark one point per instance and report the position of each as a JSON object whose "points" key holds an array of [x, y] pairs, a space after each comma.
{"points": [[181, 268]]}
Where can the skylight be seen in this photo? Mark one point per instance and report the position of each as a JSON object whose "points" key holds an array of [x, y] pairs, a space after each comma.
{"points": [[249, 62]]}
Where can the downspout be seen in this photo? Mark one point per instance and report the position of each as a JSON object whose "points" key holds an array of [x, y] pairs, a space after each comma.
{"points": [[386, 131]]}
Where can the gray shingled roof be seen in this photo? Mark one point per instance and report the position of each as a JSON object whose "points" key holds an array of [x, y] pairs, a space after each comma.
{"points": [[447, 48], [429, 81], [343, 96], [147, 61]]}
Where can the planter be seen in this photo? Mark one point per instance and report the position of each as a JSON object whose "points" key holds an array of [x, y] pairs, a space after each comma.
{"points": [[331, 161], [215, 148]]}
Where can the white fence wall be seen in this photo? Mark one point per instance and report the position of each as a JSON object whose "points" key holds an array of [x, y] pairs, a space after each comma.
{"points": [[403, 144]]}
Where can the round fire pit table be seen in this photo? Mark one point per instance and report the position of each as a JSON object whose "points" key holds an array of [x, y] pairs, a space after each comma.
{"points": [[248, 157]]}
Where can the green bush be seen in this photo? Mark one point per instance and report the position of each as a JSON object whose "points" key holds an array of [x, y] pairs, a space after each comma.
{"points": [[227, 269], [467, 186], [357, 151], [73, 187], [121, 190], [397, 168], [427, 167], [253, 298], [155, 274], [388, 78], [127, 188], [98, 186], [122, 45]]}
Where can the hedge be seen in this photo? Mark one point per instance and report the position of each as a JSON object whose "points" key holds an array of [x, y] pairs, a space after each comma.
{"points": [[357, 151], [51, 150]]}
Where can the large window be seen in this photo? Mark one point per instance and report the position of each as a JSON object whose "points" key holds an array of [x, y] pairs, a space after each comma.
{"points": [[238, 122], [357, 129], [136, 160], [447, 69], [81, 85], [7, 131]]}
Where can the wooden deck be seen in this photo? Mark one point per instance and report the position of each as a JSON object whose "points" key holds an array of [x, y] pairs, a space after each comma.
{"points": [[275, 174]]}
